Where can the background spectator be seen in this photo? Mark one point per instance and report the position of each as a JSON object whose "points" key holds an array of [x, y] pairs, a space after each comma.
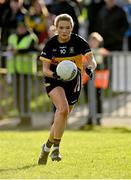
{"points": [[37, 20], [68, 7], [48, 4], [21, 65], [112, 25], [4, 5], [92, 9], [27, 4], [127, 8], [95, 41], [11, 16]]}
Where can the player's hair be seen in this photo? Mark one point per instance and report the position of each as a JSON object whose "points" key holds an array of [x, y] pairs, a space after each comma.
{"points": [[63, 17]]}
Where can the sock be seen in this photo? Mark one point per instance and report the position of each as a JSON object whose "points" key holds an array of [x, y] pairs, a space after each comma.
{"points": [[49, 144], [45, 148], [56, 142]]}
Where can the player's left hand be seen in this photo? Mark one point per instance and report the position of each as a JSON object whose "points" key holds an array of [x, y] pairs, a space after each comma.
{"points": [[55, 76], [89, 73]]}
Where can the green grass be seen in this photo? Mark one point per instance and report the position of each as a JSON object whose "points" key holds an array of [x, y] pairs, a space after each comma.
{"points": [[99, 153]]}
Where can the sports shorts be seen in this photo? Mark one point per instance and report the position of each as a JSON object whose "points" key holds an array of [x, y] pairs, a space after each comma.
{"points": [[72, 88]]}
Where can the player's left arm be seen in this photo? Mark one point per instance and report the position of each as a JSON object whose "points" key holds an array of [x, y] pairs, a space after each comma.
{"points": [[90, 61], [89, 64]]}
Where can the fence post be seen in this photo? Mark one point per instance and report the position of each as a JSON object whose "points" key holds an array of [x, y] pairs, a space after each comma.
{"points": [[92, 100]]}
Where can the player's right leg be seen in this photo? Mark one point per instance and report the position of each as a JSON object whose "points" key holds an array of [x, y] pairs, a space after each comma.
{"points": [[55, 155]]}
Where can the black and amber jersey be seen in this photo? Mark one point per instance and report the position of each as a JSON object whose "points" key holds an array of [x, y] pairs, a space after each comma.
{"points": [[73, 50]]}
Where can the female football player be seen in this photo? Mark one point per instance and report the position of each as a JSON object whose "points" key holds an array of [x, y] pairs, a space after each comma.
{"points": [[64, 94]]}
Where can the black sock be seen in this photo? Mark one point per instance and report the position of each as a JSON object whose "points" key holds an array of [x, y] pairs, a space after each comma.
{"points": [[56, 142], [49, 143]]}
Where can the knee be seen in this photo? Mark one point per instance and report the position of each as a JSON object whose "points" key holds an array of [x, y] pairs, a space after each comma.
{"points": [[63, 111]]}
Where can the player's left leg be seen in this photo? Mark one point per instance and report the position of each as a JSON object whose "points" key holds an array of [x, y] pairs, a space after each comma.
{"points": [[71, 95], [44, 155], [58, 98]]}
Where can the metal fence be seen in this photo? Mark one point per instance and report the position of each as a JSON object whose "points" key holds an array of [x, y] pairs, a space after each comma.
{"points": [[116, 98], [24, 93]]}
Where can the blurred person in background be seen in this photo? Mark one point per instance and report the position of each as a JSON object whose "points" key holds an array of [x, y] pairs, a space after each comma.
{"points": [[48, 4], [27, 4], [111, 24], [78, 4], [68, 7], [93, 7], [20, 66], [95, 41], [11, 16], [38, 20], [127, 9], [4, 5]]}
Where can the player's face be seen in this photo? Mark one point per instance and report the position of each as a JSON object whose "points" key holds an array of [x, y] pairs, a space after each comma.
{"points": [[64, 29]]}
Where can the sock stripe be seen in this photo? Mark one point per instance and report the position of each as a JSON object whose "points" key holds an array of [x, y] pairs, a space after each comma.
{"points": [[49, 144], [56, 142]]}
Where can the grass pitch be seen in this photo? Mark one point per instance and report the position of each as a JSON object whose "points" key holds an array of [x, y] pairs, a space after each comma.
{"points": [[100, 153]]}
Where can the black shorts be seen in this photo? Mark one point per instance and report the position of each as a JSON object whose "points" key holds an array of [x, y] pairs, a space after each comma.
{"points": [[72, 88]]}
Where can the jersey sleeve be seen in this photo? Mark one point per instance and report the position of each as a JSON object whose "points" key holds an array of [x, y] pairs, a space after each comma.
{"points": [[46, 54], [83, 44]]}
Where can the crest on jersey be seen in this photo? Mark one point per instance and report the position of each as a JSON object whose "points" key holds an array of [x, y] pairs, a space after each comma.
{"points": [[72, 50]]}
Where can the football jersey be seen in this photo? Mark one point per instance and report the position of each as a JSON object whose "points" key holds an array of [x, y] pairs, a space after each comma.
{"points": [[73, 50]]}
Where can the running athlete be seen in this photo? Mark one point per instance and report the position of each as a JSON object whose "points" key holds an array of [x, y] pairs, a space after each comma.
{"points": [[63, 94]]}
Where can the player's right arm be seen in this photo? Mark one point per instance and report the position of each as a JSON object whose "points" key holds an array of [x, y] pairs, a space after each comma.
{"points": [[46, 59], [46, 67]]}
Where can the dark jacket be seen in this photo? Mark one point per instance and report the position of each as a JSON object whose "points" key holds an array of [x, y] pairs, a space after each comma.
{"points": [[9, 22], [93, 9], [65, 7], [112, 25]]}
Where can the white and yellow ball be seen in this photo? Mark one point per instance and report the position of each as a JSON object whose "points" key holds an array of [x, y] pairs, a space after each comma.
{"points": [[67, 70]]}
